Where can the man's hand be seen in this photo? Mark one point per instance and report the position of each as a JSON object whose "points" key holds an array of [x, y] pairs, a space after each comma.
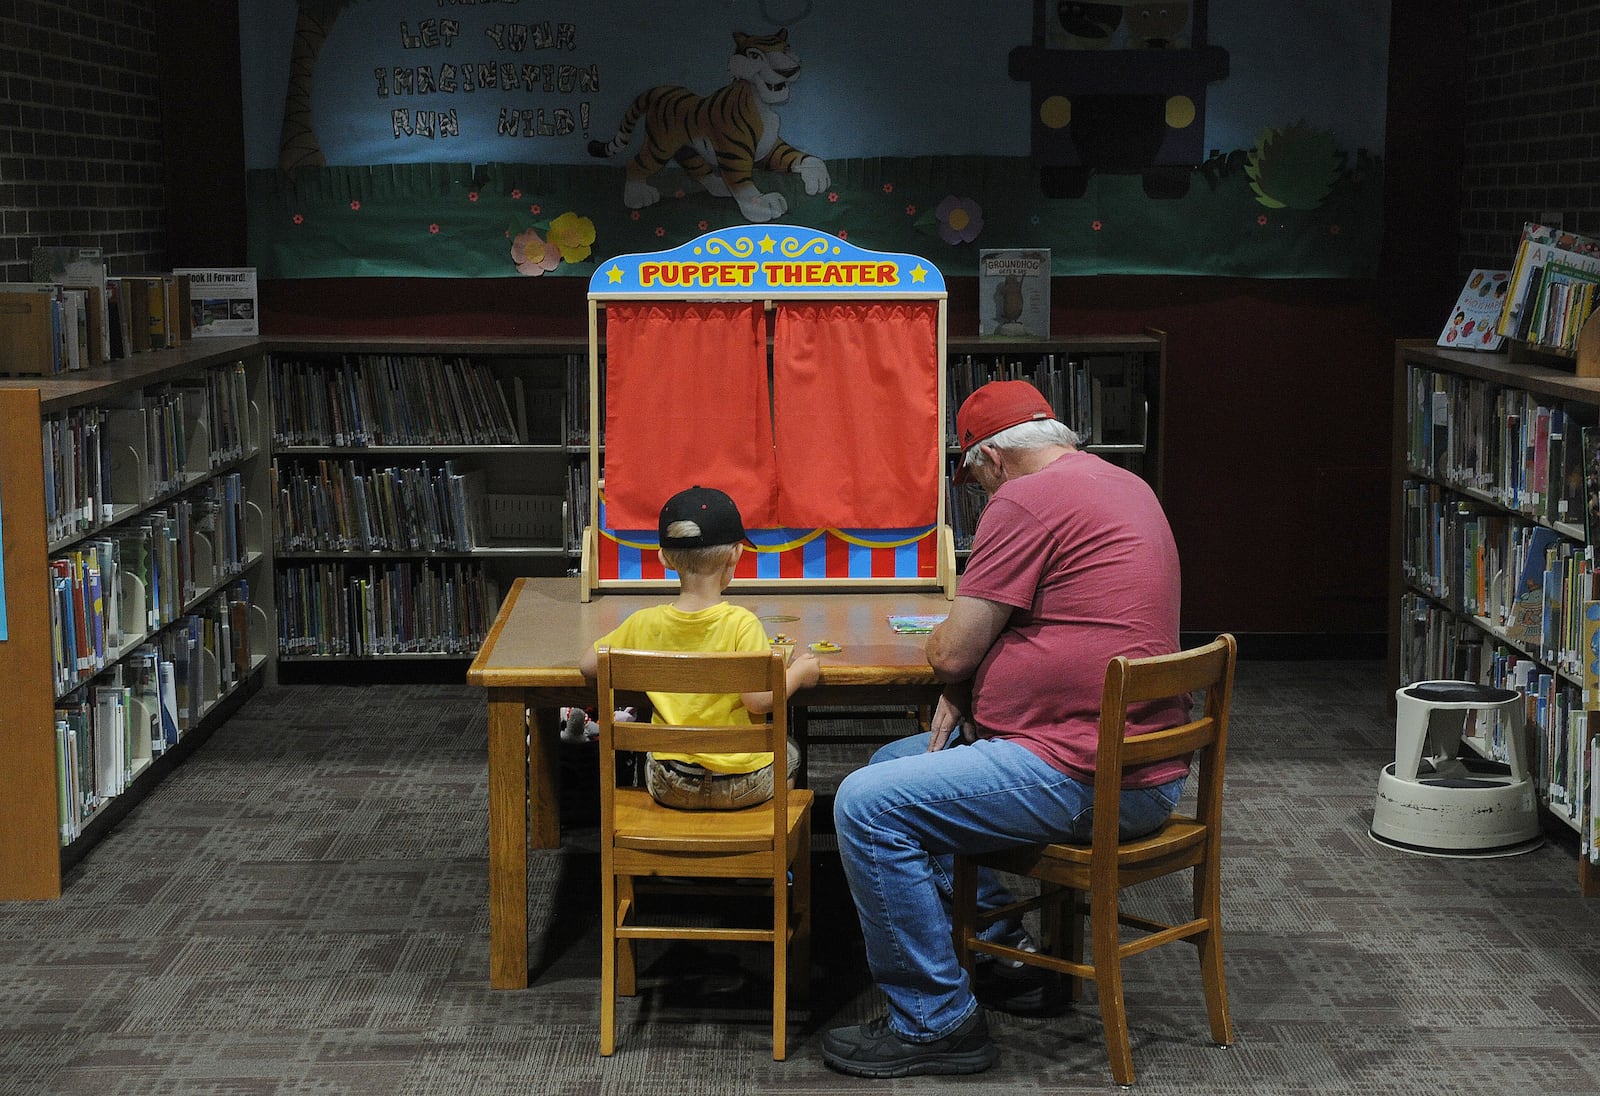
{"points": [[947, 720]]}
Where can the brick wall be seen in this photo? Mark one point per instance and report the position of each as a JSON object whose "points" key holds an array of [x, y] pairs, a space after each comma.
{"points": [[81, 159], [1532, 138]]}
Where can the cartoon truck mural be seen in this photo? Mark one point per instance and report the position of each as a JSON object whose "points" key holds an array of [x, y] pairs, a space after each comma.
{"points": [[1118, 87]]}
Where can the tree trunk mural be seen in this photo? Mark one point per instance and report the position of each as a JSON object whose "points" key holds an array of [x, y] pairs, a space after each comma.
{"points": [[297, 144]]}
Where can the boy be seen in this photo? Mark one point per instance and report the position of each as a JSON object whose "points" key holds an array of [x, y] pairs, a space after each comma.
{"points": [[702, 538]]}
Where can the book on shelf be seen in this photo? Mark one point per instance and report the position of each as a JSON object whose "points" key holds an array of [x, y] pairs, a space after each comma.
{"points": [[1540, 246], [69, 814], [33, 336], [120, 340], [222, 300], [1592, 842], [1590, 436], [1562, 305], [75, 752], [167, 681], [1474, 321], [152, 320], [1566, 470], [156, 307], [83, 340], [1014, 293], [133, 299], [110, 737], [1526, 623], [80, 268], [47, 328]]}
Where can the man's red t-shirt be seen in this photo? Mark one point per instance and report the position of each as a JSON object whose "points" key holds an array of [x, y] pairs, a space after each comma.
{"points": [[1083, 553]]}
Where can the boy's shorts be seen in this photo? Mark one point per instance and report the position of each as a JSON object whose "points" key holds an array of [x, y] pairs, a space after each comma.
{"points": [[691, 788]]}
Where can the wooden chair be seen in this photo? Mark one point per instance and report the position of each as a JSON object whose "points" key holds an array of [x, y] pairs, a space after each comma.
{"points": [[1088, 879], [639, 838]]}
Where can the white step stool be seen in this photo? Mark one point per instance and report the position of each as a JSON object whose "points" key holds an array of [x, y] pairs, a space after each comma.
{"points": [[1432, 802]]}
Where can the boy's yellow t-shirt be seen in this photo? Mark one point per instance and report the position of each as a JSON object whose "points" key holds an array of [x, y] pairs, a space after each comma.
{"points": [[722, 627]]}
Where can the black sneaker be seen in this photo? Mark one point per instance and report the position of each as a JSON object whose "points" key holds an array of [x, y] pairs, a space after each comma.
{"points": [[873, 1050]]}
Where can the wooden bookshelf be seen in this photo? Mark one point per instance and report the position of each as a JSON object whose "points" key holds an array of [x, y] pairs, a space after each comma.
{"points": [[36, 846], [1109, 388], [1478, 486], [448, 464]]}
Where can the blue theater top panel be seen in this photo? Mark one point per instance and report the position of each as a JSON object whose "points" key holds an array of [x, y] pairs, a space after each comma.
{"points": [[746, 261]]}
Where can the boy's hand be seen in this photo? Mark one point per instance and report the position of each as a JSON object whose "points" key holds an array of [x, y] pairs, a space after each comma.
{"points": [[809, 669]]}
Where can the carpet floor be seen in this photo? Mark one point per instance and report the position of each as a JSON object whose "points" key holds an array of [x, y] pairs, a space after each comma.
{"points": [[302, 908]]}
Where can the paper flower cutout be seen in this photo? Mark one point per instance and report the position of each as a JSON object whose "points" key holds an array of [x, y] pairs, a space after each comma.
{"points": [[533, 255], [572, 236], [960, 220]]}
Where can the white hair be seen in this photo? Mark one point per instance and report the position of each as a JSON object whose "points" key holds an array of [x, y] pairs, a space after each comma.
{"points": [[708, 560], [1034, 434]]}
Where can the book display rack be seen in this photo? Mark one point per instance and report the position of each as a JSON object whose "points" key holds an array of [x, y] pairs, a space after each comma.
{"points": [[1496, 481]]}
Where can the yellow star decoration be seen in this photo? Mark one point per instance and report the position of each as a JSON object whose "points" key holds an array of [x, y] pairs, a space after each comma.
{"points": [[919, 273], [615, 274], [766, 244]]}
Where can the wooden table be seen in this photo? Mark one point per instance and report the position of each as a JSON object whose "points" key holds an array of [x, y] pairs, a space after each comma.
{"points": [[529, 665]]}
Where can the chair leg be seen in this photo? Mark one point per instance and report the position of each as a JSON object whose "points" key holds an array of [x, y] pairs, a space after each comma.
{"points": [[1074, 929], [1061, 924], [1108, 977], [780, 965], [623, 905], [800, 896], [964, 911], [1208, 903], [608, 964]]}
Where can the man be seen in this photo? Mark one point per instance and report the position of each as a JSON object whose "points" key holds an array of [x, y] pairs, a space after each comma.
{"points": [[1073, 564]]}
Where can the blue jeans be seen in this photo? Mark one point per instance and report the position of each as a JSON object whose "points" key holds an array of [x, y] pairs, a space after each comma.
{"points": [[901, 818]]}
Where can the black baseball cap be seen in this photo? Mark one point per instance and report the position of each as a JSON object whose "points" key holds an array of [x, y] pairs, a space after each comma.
{"points": [[712, 510]]}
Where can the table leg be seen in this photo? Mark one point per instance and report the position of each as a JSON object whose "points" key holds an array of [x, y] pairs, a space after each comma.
{"points": [[544, 778], [508, 839]]}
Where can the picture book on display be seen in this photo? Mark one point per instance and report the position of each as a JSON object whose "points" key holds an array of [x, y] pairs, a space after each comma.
{"points": [[1545, 256], [1014, 293], [1475, 319], [222, 301]]}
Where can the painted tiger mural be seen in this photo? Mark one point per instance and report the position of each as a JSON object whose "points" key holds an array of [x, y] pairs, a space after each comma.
{"points": [[735, 128]]}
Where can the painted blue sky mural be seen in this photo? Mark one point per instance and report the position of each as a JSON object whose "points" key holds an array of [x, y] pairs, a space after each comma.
{"points": [[1236, 136]]}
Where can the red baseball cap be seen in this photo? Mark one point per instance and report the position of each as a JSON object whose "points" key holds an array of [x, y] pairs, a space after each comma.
{"points": [[993, 408]]}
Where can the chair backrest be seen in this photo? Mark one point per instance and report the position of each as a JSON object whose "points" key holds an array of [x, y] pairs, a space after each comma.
{"points": [[627, 671], [1134, 681]]}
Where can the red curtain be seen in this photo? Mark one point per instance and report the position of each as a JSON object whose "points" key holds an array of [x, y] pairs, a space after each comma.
{"points": [[856, 391], [687, 403]]}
